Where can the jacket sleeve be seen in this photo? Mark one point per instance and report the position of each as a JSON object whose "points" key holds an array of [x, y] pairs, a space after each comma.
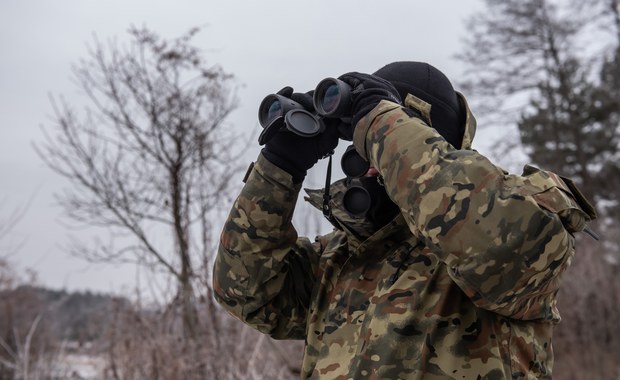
{"points": [[263, 272], [500, 236]]}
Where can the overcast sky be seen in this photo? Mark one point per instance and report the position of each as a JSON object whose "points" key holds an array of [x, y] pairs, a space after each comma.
{"points": [[266, 44]]}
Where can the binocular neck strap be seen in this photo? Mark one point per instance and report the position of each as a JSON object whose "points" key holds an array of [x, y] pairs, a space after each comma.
{"points": [[327, 212]]}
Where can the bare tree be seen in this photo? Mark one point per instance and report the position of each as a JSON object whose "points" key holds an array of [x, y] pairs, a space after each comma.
{"points": [[8, 221], [603, 15], [511, 47], [150, 158], [526, 62]]}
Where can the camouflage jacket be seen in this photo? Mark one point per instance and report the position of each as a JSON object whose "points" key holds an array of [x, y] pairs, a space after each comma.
{"points": [[461, 285]]}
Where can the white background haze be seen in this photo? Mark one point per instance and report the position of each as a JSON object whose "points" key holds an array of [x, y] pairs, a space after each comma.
{"points": [[266, 44]]}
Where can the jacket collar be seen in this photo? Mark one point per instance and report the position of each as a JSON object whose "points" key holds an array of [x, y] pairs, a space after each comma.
{"points": [[412, 101]]}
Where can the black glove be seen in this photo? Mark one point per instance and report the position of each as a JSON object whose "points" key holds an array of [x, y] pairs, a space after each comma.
{"points": [[366, 92], [296, 154]]}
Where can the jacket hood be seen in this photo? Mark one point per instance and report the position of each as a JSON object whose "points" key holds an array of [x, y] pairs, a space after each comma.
{"points": [[470, 123]]}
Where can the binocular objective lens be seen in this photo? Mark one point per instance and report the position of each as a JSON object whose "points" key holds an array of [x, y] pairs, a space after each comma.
{"points": [[275, 110], [331, 98]]}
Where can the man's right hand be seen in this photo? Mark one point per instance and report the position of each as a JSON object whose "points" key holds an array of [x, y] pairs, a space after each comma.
{"points": [[296, 154], [366, 92]]}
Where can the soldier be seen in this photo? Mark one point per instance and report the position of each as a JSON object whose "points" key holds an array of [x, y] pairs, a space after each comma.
{"points": [[453, 271]]}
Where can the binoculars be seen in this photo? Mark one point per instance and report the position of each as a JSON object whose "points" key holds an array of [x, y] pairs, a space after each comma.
{"points": [[332, 99], [356, 199]]}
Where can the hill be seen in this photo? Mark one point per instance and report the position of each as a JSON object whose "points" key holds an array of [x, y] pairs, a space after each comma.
{"points": [[66, 316]]}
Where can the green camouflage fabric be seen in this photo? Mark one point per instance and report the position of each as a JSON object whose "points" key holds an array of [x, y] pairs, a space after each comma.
{"points": [[461, 285]]}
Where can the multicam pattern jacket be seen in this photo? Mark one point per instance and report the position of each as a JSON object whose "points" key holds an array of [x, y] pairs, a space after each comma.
{"points": [[461, 285]]}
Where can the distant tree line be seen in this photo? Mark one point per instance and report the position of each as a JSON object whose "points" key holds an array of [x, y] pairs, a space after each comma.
{"points": [[40, 328], [80, 317]]}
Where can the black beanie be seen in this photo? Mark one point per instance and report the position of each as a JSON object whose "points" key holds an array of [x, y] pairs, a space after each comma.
{"points": [[431, 85]]}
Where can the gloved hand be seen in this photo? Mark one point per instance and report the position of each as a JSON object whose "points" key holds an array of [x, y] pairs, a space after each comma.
{"points": [[296, 154], [366, 92]]}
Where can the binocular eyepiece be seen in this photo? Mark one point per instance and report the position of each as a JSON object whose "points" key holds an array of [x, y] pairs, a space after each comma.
{"points": [[356, 199], [353, 165]]}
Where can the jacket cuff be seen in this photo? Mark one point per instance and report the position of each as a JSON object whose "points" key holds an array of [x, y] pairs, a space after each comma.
{"points": [[271, 171], [361, 129]]}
